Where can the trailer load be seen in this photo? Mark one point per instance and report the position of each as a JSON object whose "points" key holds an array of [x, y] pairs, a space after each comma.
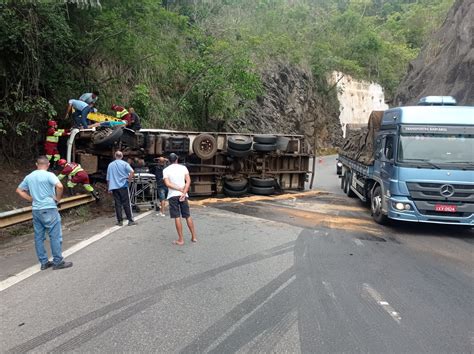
{"points": [[359, 143]]}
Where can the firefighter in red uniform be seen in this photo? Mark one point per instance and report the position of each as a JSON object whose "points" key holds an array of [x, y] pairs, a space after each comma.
{"points": [[122, 113], [76, 174], [52, 139]]}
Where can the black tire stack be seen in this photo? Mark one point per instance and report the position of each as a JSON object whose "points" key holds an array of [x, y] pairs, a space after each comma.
{"points": [[239, 145], [262, 185], [264, 143], [235, 186]]}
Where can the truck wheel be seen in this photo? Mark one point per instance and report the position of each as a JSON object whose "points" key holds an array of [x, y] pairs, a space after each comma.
{"points": [[343, 182], [347, 186], [262, 190], [239, 142], [376, 207], [262, 182], [106, 136], [237, 185], [231, 193], [205, 146], [238, 153], [265, 139], [264, 147]]}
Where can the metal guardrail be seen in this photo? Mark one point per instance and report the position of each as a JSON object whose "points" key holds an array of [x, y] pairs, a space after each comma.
{"points": [[16, 216]]}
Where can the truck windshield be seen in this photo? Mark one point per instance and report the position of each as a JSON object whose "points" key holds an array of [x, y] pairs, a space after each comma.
{"points": [[437, 149]]}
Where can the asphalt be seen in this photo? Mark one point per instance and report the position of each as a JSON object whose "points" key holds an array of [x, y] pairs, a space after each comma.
{"points": [[307, 274]]}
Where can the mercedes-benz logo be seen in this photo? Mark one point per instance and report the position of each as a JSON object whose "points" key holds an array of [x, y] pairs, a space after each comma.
{"points": [[446, 190]]}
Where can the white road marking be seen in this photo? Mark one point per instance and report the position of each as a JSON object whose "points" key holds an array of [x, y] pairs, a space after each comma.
{"points": [[28, 272], [358, 242], [384, 304]]}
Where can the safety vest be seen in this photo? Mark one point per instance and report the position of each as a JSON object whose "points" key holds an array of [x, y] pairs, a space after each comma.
{"points": [[122, 113], [76, 169], [55, 137]]}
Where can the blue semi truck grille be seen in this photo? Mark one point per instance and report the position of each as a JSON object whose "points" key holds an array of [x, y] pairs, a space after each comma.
{"points": [[427, 195]]}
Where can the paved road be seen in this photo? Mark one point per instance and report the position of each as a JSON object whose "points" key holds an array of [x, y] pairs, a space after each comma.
{"points": [[310, 274]]}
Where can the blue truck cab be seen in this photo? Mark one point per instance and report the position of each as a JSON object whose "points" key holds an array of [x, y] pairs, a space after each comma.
{"points": [[423, 169]]}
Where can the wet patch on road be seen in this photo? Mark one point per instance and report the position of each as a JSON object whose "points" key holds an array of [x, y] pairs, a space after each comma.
{"points": [[309, 213]]}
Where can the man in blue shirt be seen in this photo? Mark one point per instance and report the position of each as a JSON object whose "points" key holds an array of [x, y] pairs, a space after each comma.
{"points": [[90, 97], [45, 190], [119, 174], [81, 110]]}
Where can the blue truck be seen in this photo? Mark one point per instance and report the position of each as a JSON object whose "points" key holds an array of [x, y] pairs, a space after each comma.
{"points": [[422, 165]]}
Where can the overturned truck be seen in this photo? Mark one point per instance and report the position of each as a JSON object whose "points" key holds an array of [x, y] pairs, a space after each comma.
{"points": [[219, 163]]}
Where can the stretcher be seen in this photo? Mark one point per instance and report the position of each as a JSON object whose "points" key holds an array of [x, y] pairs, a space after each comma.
{"points": [[142, 191], [100, 117]]}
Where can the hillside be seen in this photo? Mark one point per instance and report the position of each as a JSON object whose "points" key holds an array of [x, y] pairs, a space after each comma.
{"points": [[445, 65], [200, 65]]}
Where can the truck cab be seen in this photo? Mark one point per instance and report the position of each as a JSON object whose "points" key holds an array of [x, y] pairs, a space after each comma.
{"points": [[424, 165]]}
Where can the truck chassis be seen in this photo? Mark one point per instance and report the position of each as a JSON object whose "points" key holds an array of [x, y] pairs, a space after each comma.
{"points": [[206, 155]]}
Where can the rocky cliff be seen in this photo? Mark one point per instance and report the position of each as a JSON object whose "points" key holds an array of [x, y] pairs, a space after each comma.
{"points": [[445, 65], [290, 105]]}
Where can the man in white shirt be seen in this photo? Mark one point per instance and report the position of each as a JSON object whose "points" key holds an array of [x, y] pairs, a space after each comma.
{"points": [[176, 178]]}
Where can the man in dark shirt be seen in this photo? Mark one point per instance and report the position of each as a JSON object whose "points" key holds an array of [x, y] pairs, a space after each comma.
{"points": [[135, 122], [160, 184]]}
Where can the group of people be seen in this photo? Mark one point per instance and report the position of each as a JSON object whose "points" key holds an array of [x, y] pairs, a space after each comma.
{"points": [[44, 190], [74, 172], [80, 109]]}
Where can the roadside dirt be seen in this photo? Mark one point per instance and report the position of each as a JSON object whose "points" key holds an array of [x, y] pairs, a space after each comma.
{"points": [[10, 178]]}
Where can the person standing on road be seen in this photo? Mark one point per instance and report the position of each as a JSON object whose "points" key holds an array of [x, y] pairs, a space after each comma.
{"points": [[160, 184], [176, 178], [44, 190], [119, 174]]}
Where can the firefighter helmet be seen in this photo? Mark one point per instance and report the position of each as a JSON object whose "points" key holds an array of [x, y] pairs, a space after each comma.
{"points": [[52, 123], [62, 162]]}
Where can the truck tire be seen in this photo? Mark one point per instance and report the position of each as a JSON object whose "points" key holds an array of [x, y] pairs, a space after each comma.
{"points": [[376, 207], [236, 184], [205, 146], [343, 182], [262, 190], [347, 186], [265, 139], [238, 153], [262, 182], [239, 142], [231, 193], [107, 136], [264, 147]]}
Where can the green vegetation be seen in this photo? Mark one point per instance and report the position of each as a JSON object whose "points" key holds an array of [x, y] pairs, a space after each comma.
{"points": [[189, 64]]}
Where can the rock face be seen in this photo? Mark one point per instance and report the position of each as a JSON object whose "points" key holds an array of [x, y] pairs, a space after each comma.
{"points": [[357, 99], [445, 65], [290, 105]]}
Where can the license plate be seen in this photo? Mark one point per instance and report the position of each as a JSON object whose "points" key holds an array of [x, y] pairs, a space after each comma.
{"points": [[446, 208]]}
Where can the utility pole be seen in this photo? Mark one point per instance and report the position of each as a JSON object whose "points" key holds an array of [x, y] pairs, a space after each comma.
{"points": [[315, 143]]}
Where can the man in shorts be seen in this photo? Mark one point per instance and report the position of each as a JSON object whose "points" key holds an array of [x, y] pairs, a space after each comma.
{"points": [[178, 181]]}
